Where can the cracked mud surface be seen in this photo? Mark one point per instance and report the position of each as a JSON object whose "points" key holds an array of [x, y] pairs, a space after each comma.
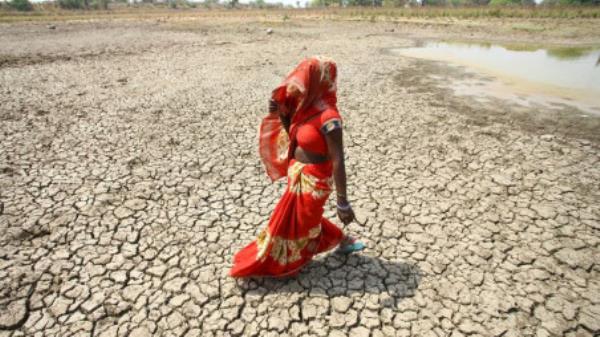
{"points": [[129, 177]]}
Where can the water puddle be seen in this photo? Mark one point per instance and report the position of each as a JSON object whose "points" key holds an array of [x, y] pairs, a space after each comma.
{"points": [[554, 77]]}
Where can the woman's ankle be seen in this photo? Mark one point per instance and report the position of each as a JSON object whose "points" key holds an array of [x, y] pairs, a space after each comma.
{"points": [[347, 239]]}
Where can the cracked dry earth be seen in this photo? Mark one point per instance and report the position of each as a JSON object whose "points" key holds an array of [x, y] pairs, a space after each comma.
{"points": [[129, 177]]}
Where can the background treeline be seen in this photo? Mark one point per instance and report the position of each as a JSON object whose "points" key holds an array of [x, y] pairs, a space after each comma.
{"points": [[26, 5], [402, 3]]}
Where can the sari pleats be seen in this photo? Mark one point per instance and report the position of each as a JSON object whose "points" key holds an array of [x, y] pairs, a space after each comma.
{"points": [[296, 230]]}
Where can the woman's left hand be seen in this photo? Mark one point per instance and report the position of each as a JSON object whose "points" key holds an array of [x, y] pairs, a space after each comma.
{"points": [[273, 106], [346, 216]]}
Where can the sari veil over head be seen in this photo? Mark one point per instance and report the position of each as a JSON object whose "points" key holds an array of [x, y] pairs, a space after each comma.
{"points": [[309, 89]]}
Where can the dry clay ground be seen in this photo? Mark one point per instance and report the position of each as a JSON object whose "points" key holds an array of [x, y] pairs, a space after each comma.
{"points": [[129, 177]]}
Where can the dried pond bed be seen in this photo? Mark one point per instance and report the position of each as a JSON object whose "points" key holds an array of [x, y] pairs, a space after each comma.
{"points": [[129, 177]]}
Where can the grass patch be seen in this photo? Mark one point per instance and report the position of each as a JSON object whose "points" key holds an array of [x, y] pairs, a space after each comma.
{"points": [[527, 27]]}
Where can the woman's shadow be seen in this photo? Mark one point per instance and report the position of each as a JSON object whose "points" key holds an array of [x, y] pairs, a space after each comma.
{"points": [[344, 275]]}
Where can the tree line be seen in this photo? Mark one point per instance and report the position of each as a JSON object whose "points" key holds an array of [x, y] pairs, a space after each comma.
{"points": [[26, 5], [402, 3]]}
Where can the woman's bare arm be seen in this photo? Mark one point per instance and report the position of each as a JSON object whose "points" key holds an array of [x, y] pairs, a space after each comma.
{"points": [[335, 146]]}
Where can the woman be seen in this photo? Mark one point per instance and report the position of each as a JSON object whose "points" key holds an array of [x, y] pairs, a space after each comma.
{"points": [[301, 138]]}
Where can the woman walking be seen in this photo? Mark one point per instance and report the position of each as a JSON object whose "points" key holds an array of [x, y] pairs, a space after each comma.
{"points": [[301, 138]]}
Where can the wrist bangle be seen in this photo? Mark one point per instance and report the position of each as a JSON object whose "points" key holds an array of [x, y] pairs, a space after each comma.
{"points": [[344, 207]]}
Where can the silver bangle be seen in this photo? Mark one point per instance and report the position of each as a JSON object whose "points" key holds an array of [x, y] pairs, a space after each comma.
{"points": [[343, 208]]}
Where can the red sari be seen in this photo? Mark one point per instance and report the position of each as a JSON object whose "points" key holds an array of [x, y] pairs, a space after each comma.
{"points": [[297, 230]]}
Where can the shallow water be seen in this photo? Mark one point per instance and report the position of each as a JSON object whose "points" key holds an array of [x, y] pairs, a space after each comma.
{"points": [[561, 75]]}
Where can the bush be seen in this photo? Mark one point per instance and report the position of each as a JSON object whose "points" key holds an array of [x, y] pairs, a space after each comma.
{"points": [[100, 4], [434, 2], [394, 3], [571, 2], [21, 5], [83, 4], [505, 2], [72, 4]]}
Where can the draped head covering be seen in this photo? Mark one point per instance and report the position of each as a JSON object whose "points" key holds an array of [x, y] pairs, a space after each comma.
{"points": [[307, 91]]}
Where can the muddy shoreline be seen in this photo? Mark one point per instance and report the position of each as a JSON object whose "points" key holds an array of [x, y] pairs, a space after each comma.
{"points": [[568, 121]]}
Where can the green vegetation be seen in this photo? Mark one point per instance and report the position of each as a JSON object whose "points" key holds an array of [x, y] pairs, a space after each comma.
{"points": [[210, 3], [446, 3], [561, 52], [361, 10], [512, 2], [565, 53], [571, 2], [435, 2], [72, 4], [393, 3], [261, 4], [83, 4], [21, 5], [324, 3], [258, 4], [462, 3], [473, 12]]}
